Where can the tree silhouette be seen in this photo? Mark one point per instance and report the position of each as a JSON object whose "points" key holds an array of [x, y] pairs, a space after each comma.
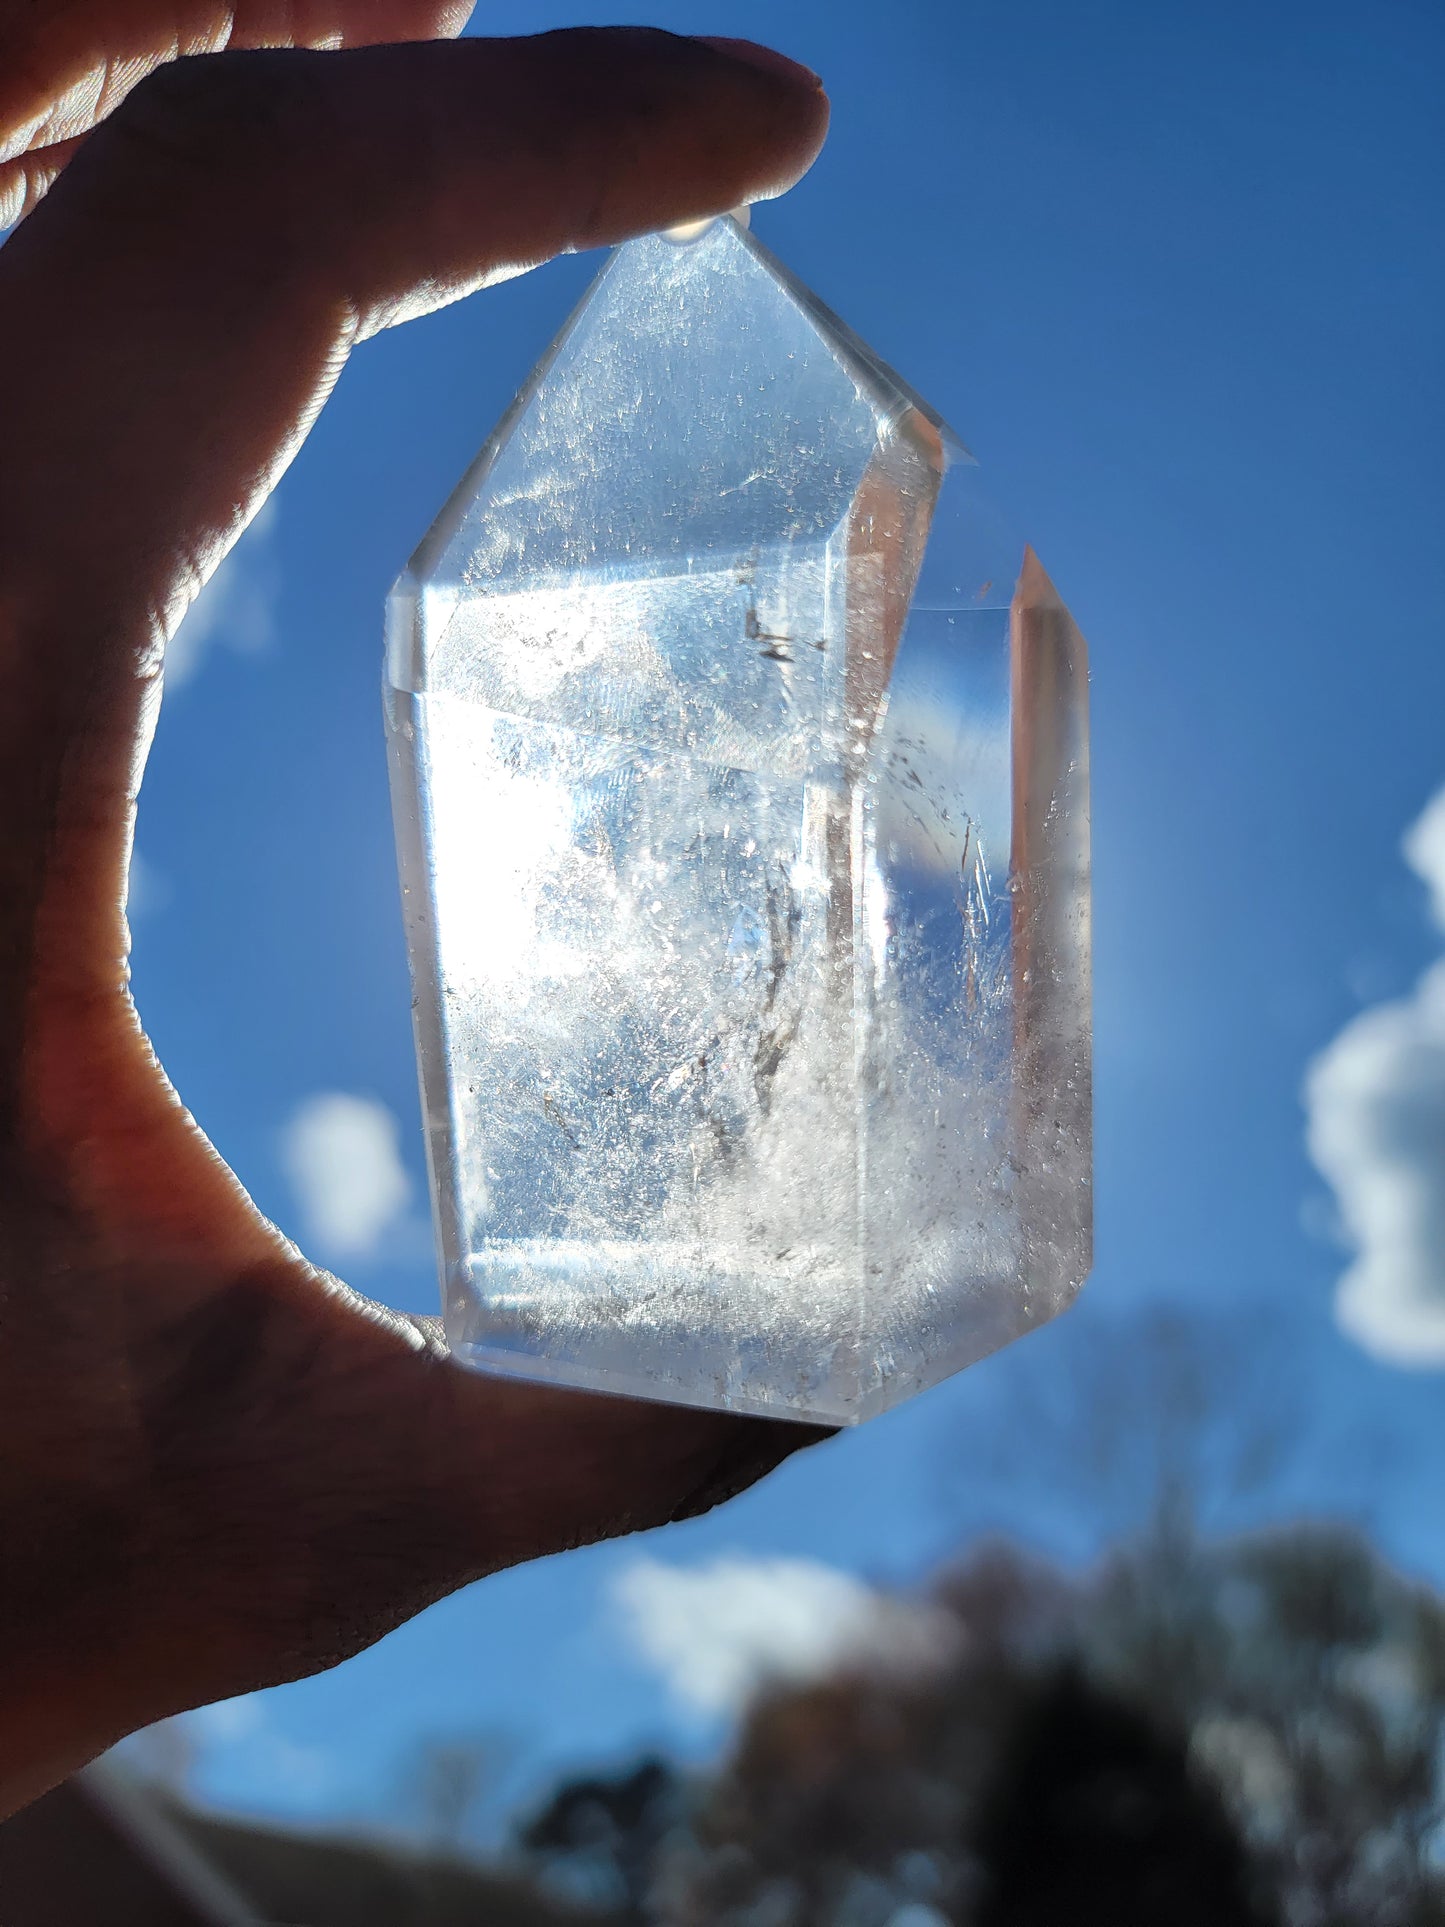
{"points": [[1205, 1735]]}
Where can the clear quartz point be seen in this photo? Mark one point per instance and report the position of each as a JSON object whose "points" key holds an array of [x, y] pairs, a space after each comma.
{"points": [[740, 771]]}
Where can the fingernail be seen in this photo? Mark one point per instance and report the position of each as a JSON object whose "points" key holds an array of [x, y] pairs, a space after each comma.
{"points": [[767, 58]]}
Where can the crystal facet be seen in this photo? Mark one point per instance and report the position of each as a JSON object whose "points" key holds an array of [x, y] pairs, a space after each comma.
{"points": [[741, 784]]}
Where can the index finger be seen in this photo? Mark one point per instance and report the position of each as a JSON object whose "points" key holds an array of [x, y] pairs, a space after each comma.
{"points": [[174, 315], [65, 66]]}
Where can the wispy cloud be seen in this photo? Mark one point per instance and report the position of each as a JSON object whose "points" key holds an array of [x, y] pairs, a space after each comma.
{"points": [[342, 1154], [235, 1738], [237, 608], [1376, 1106], [246, 1729], [717, 1632], [146, 890]]}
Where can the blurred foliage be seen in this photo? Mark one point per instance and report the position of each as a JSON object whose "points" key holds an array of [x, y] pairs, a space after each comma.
{"points": [[1144, 1410], [1200, 1734]]}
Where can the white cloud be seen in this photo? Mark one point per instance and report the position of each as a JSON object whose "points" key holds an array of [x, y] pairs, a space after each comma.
{"points": [[1424, 847], [342, 1154], [715, 1633], [227, 1721], [146, 889], [1375, 1099], [235, 1738], [242, 1733], [237, 607]]}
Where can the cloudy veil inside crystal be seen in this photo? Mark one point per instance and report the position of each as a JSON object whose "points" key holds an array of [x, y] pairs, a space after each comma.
{"points": [[740, 773]]}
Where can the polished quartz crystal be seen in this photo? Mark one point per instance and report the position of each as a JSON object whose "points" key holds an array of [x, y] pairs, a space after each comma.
{"points": [[741, 784]]}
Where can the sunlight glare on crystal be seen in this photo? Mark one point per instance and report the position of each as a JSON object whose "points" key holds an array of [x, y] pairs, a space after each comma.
{"points": [[740, 769]]}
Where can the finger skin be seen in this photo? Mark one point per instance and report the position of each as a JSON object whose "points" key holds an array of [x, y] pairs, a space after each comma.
{"points": [[26, 180], [66, 64], [251, 1482], [217, 1468]]}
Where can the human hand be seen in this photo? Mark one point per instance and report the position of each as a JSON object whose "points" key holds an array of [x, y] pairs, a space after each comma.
{"points": [[218, 1467]]}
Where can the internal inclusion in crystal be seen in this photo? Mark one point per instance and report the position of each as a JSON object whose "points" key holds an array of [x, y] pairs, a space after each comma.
{"points": [[740, 770]]}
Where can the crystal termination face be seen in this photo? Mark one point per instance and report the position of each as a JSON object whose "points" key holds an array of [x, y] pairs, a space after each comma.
{"points": [[741, 785]]}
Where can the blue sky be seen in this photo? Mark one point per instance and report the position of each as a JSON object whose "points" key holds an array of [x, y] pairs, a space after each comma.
{"points": [[1176, 273]]}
